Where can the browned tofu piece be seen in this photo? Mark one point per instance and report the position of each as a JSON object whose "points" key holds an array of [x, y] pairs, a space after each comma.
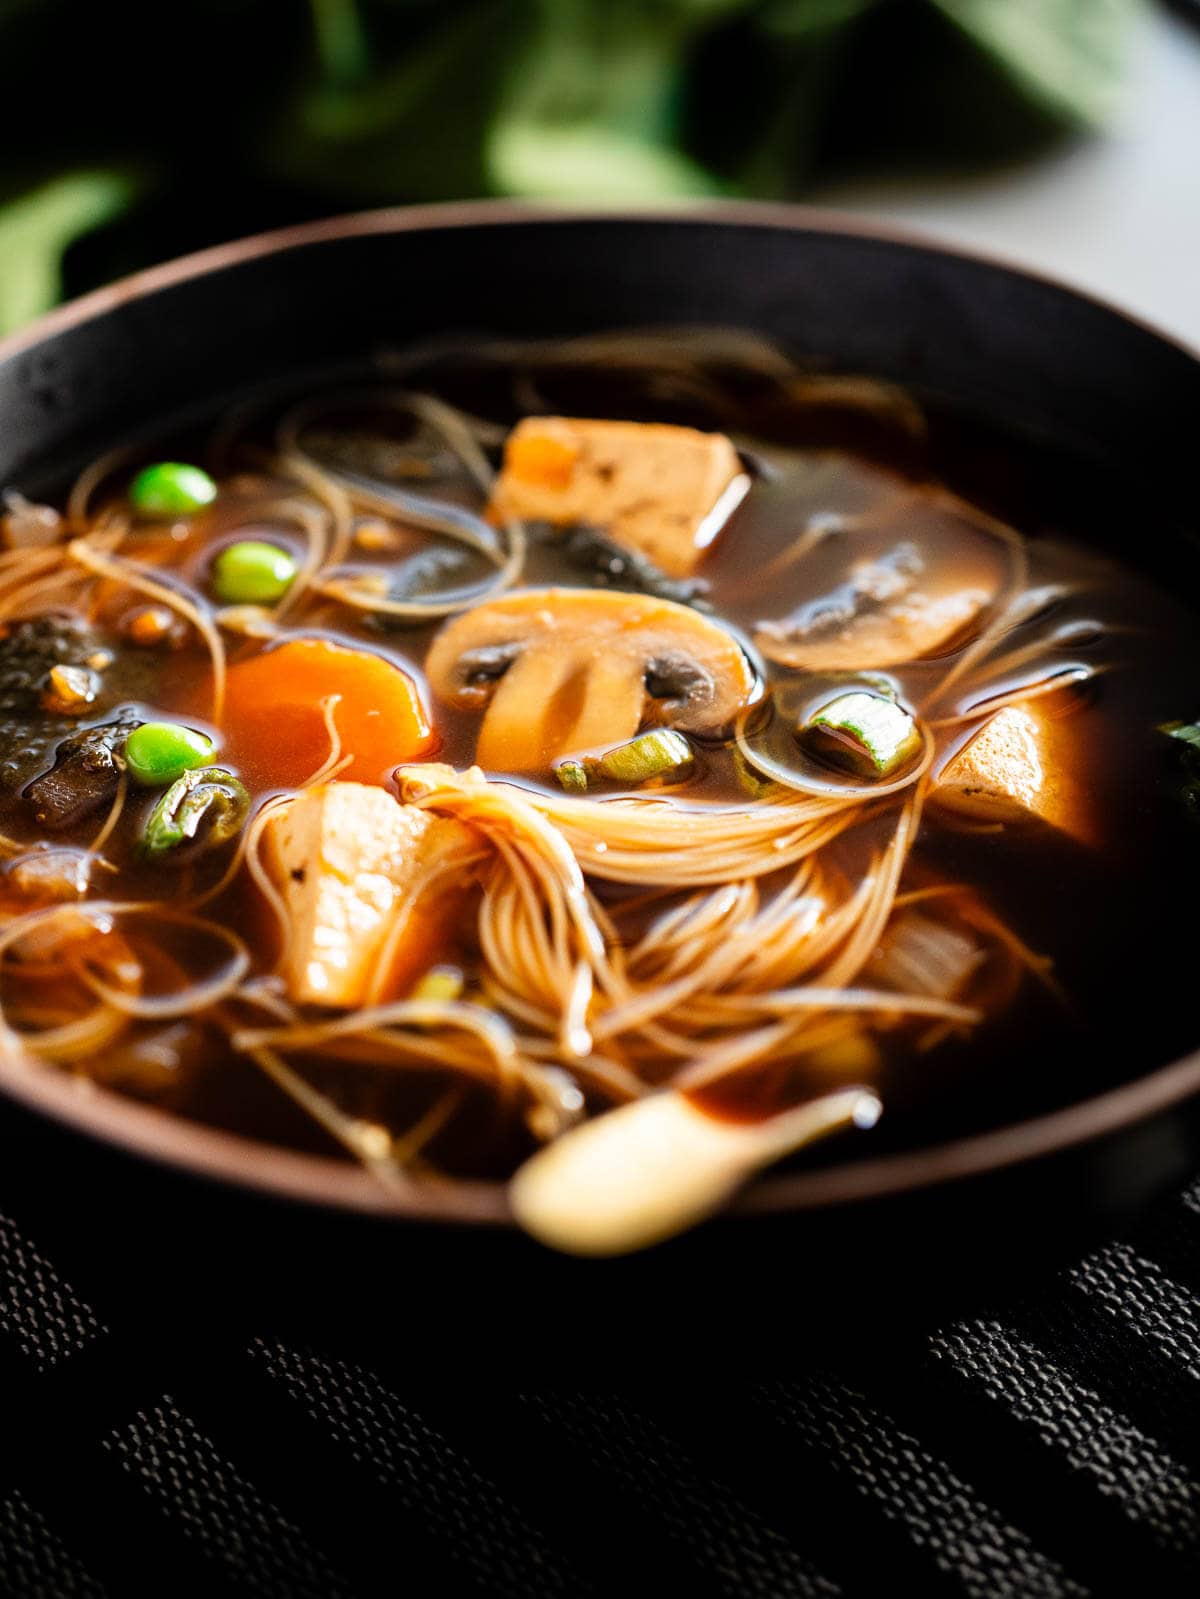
{"points": [[1019, 767], [663, 492], [364, 879]]}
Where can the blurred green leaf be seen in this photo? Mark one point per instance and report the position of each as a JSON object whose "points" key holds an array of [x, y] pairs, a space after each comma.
{"points": [[409, 128], [590, 165], [592, 104], [341, 44], [1067, 54], [36, 228], [769, 89], [277, 113], [797, 18]]}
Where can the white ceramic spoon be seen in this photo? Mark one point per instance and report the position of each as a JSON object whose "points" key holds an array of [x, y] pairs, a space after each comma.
{"points": [[642, 1173]]}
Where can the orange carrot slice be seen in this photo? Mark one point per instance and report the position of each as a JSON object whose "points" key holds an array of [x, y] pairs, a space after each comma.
{"points": [[275, 728]]}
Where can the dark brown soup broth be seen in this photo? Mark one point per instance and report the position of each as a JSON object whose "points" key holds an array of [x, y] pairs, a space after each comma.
{"points": [[1110, 913]]}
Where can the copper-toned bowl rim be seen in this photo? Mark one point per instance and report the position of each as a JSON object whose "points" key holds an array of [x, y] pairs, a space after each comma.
{"points": [[228, 1157]]}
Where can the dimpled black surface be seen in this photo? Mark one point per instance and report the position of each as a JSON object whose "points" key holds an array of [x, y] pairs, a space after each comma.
{"points": [[1047, 1445]]}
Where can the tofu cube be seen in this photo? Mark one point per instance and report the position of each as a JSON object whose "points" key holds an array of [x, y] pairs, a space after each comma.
{"points": [[1018, 767], [659, 491], [364, 878]]}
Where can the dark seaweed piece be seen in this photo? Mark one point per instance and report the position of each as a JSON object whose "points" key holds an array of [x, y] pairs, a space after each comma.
{"points": [[430, 572], [85, 773], [610, 565], [1188, 750], [28, 652], [27, 747]]}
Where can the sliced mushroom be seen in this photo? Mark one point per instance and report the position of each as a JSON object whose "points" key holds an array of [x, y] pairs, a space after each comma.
{"points": [[565, 670], [884, 614]]}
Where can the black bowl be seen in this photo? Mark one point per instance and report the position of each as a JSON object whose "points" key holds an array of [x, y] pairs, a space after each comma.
{"points": [[128, 1191]]}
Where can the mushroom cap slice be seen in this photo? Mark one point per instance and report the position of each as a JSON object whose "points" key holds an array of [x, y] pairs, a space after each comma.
{"points": [[563, 670], [918, 626], [886, 613]]}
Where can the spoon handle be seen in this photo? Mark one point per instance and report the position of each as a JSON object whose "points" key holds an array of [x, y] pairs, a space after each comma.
{"points": [[652, 1168]]}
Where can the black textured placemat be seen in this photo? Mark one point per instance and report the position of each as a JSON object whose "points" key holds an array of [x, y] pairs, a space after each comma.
{"points": [[1045, 1447]]}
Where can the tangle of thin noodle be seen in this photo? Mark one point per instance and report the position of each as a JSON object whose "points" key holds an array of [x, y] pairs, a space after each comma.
{"points": [[119, 1001], [336, 501], [135, 577], [692, 991], [90, 479], [450, 520], [113, 817], [1054, 684], [635, 841]]}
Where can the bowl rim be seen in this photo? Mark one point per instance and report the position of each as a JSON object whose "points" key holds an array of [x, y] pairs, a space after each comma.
{"points": [[227, 1157], [785, 216]]}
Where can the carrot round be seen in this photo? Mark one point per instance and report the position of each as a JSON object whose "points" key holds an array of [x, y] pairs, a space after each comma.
{"points": [[275, 728]]}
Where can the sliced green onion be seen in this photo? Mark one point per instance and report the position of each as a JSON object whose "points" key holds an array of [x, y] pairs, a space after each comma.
{"points": [[868, 734], [158, 752], [205, 806], [171, 488], [252, 572], [661, 753], [572, 774]]}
